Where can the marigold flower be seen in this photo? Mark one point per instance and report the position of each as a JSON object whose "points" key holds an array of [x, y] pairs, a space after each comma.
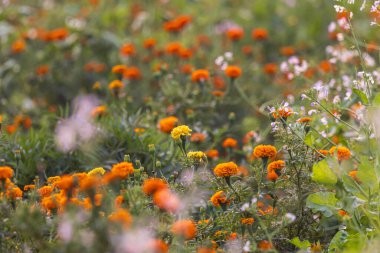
{"points": [[287, 51], [29, 187], [282, 112], [342, 152], [121, 216], [226, 169], [119, 69], [197, 137], [50, 203], [166, 200], [272, 175], [276, 165], [217, 93], [99, 111], [304, 120], [259, 34], [133, 73], [247, 221], [265, 151], [354, 175], [14, 193], [342, 213], [166, 125], [173, 48], [219, 198], [42, 70], [196, 155], [235, 33], [200, 75], [233, 71], [45, 191], [270, 68], [326, 66], [265, 245], [149, 43], [323, 152], [116, 84], [152, 185], [128, 50], [52, 180], [65, 183], [89, 183], [5, 172], [180, 131], [122, 170], [185, 228], [18, 46], [212, 153], [206, 250], [158, 246], [230, 143], [11, 129]]}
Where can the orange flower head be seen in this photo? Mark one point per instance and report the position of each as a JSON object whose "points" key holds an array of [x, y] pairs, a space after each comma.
{"points": [[276, 165], [354, 175], [265, 151], [121, 216], [99, 111], [122, 170], [259, 34], [265, 245], [270, 68], [65, 183], [166, 200], [116, 84], [282, 112], [18, 46], [230, 143], [200, 75], [45, 191], [235, 34], [247, 221], [288, 51], [185, 228], [6, 172], [233, 72], [158, 246], [149, 43], [272, 175], [133, 73], [342, 152], [304, 120], [119, 69], [198, 137], [152, 185], [128, 50], [219, 198], [42, 70], [212, 153], [226, 169], [29, 187], [14, 193], [173, 48], [166, 125]]}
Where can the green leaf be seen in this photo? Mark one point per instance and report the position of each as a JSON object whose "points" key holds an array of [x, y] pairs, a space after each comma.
{"points": [[323, 174], [325, 202], [338, 241], [361, 95], [309, 139], [300, 244], [376, 99]]}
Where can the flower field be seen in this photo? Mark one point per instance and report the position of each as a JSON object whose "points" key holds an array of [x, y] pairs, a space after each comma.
{"points": [[153, 126]]}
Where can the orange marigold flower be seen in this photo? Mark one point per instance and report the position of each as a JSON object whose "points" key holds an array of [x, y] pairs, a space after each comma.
{"points": [[217, 93], [50, 203], [128, 50], [133, 73], [166, 125], [14, 193], [116, 84], [18, 46], [119, 69], [122, 170], [152, 185], [6, 172], [219, 198], [282, 112], [226, 169], [119, 200], [218, 82], [247, 221], [323, 152], [212, 153], [89, 183], [166, 200], [342, 152], [27, 122], [42, 70], [173, 48], [287, 51], [65, 183], [121, 216], [11, 129], [265, 245], [198, 137], [265, 151], [235, 33], [29, 187], [230, 143], [270, 68], [272, 175], [259, 34], [206, 250], [45, 191], [342, 213], [200, 75], [233, 71], [276, 165], [184, 228], [149, 43], [354, 175], [304, 120], [326, 66], [187, 69], [158, 246], [99, 111]]}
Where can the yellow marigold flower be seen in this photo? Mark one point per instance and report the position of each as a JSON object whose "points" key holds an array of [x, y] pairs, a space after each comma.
{"points": [[179, 131], [276, 165], [247, 221], [97, 171], [5, 172], [265, 151], [219, 198], [116, 84], [342, 152], [196, 155], [226, 169]]}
